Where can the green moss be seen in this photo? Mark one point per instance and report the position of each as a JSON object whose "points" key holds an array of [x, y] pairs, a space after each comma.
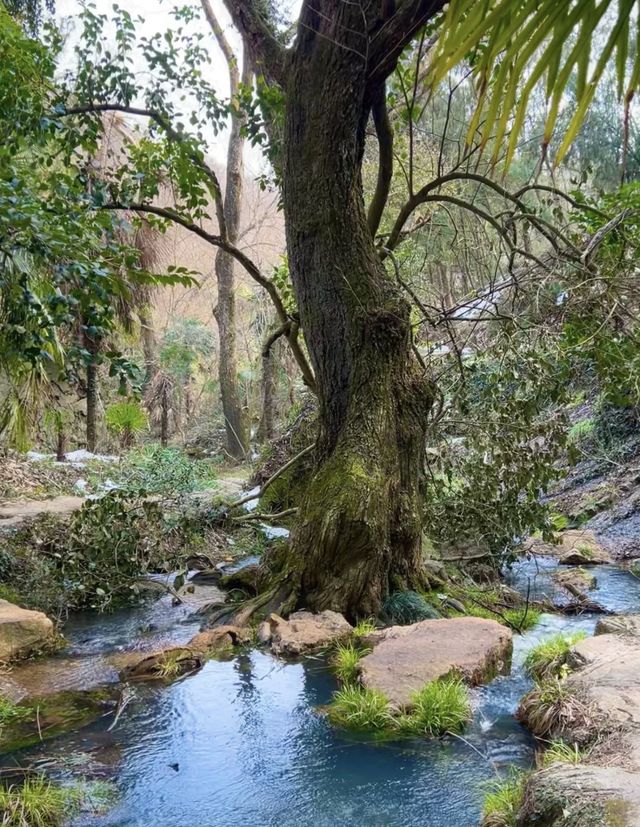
{"points": [[503, 801], [48, 717], [549, 657]]}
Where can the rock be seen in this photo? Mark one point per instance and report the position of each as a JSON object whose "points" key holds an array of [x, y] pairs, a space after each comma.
{"points": [[580, 548], [619, 625], [264, 632], [406, 658], [582, 794], [306, 632], [576, 581], [607, 676], [219, 638], [167, 664], [23, 631]]}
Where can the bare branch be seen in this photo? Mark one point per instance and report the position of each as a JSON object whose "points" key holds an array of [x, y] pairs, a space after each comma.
{"points": [[384, 134]]}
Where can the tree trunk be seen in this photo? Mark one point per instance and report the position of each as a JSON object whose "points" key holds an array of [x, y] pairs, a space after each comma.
{"points": [[266, 428], [164, 418], [149, 343], [358, 535], [61, 444], [236, 417]]}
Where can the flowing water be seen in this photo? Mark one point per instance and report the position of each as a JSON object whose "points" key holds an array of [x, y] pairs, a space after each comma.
{"points": [[242, 743]]}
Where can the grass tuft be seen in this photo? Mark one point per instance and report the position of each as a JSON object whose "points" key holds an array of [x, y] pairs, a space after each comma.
{"points": [[408, 607], [36, 803], [561, 752], [548, 658], [553, 708], [364, 628], [364, 710], [522, 619], [504, 800], [441, 706], [345, 661]]}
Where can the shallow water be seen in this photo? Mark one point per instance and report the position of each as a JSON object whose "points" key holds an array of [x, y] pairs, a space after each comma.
{"points": [[242, 743]]}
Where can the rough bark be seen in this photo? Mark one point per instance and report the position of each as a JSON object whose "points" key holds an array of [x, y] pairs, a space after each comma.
{"points": [[359, 530], [266, 428], [149, 343], [236, 417]]}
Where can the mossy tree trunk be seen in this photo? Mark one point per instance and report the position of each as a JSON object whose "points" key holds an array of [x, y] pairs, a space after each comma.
{"points": [[358, 531]]}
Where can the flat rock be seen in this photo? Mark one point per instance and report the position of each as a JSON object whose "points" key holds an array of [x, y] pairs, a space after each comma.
{"points": [[406, 658], [306, 632], [575, 794], [619, 625], [608, 675], [22, 631]]}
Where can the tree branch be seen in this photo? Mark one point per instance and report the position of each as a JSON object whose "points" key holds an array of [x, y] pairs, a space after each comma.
{"points": [[171, 133], [266, 52], [384, 134]]}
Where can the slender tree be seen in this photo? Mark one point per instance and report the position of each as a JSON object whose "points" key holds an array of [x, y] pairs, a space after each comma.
{"points": [[236, 418]]}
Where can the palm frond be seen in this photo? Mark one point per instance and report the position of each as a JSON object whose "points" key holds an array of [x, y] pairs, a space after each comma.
{"points": [[513, 47]]}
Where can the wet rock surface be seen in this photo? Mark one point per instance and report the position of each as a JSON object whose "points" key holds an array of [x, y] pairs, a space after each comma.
{"points": [[406, 658], [23, 631]]}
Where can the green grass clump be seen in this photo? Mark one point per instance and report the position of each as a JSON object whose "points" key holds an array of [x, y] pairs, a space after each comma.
{"points": [[359, 709], [548, 658], [561, 752], [408, 607], [11, 712], [522, 619], [441, 706], [36, 803], [345, 661], [363, 628], [503, 801]]}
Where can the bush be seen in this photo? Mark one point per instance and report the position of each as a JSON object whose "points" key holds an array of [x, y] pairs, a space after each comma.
{"points": [[157, 470], [503, 801], [360, 709], [548, 658], [440, 707], [408, 607]]}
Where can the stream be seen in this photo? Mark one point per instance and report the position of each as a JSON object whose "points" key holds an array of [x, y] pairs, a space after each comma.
{"points": [[241, 743]]}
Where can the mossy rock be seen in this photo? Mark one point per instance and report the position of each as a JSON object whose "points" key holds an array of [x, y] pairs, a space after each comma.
{"points": [[40, 719]]}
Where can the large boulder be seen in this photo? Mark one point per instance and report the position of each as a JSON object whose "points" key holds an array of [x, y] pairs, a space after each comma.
{"points": [[304, 632], [607, 676], [406, 658], [23, 631]]}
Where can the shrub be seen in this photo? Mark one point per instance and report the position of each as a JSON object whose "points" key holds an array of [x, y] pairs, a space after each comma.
{"points": [[441, 706], [408, 607], [504, 800], [126, 419], [345, 661], [548, 658], [360, 709], [157, 470]]}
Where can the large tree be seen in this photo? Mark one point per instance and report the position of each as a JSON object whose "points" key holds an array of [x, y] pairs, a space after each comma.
{"points": [[358, 531]]}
